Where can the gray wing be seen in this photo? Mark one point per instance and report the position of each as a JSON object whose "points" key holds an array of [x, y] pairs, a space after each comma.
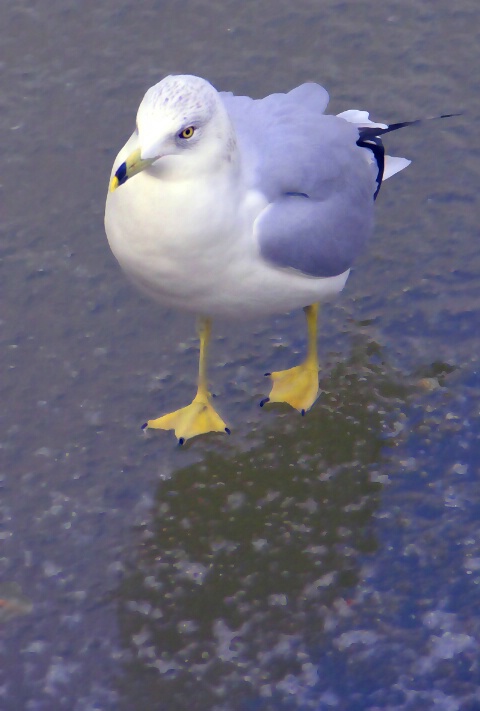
{"points": [[318, 182]]}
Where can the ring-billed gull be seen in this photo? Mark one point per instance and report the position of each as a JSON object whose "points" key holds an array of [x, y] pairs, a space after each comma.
{"points": [[222, 205]]}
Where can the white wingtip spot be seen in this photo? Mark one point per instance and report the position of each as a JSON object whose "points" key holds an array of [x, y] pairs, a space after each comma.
{"points": [[361, 118]]}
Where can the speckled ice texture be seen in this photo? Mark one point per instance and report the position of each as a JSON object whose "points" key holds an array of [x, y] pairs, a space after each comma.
{"points": [[330, 562]]}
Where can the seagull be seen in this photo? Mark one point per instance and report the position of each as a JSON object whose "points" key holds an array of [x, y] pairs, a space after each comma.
{"points": [[226, 206]]}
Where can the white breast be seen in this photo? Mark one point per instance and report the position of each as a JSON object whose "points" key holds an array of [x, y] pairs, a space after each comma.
{"points": [[191, 246]]}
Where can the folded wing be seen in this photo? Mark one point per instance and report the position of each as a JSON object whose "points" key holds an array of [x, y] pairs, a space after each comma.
{"points": [[318, 182]]}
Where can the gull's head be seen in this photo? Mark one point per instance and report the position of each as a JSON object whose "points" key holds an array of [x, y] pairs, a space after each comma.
{"points": [[182, 127]]}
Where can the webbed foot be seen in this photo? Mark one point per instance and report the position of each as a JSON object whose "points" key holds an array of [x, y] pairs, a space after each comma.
{"points": [[296, 386], [200, 417]]}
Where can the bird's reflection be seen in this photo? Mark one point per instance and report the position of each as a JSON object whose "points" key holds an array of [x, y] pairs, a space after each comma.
{"points": [[245, 558]]}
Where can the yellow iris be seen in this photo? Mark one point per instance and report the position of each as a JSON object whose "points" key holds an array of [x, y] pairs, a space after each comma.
{"points": [[187, 132]]}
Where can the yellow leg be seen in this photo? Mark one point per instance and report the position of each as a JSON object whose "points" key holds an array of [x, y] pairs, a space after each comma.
{"points": [[298, 386], [199, 417]]}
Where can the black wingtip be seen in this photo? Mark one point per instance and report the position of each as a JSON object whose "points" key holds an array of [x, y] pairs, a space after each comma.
{"points": [[374, 143], [370, 132], [460, 113], [369, 137]]}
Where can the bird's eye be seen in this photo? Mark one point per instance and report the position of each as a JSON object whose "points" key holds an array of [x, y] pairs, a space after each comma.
{"points": [[187, 132]]}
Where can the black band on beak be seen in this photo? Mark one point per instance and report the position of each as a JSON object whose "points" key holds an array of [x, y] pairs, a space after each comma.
{"points": [[121, 174]]}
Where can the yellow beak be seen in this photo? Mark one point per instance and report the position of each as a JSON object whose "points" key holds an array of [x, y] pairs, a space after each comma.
{"points": [[133, 165]]}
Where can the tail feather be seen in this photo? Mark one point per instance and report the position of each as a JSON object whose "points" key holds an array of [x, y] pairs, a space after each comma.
{"points": [[394, 164]]}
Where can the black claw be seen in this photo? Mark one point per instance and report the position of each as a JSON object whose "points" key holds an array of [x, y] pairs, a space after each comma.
{"points": [[302, 412], [144, 426], [227, 430], [266, 374], [181, 440], [264, 401]]}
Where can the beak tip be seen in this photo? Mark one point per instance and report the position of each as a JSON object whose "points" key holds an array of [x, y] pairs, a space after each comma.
{"points": [[114, 183]]}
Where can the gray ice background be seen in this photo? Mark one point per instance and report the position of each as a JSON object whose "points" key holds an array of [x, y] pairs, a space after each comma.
{"points": [[329, 562]]}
